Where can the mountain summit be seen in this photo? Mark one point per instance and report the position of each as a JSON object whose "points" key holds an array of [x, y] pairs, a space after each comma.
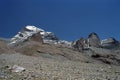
{"points": [[28, 31]]}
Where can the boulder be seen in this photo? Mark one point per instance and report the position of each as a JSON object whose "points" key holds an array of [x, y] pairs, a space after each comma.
{"points": [[94, 40], [17, 68]]}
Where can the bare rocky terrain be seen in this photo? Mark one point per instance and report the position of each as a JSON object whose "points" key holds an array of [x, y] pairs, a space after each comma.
{"points": [[34, 54], [58, 62], [39, 68]]}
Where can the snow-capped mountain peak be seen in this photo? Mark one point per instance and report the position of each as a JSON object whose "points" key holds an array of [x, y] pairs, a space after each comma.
{"points": [[28, 31], [25, 33]]}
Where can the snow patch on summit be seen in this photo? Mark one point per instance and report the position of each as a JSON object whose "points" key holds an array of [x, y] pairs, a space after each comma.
{"points": [[33, 28]]}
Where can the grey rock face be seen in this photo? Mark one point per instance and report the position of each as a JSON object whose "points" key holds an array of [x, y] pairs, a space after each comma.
{"points": [[109, 43], [94, 40]]}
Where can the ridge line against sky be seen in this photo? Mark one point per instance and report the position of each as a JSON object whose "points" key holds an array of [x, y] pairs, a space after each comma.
{"points": [[68, 19]]}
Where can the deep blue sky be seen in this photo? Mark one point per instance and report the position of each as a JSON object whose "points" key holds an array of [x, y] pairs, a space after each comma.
{"points": [[68, 19]]}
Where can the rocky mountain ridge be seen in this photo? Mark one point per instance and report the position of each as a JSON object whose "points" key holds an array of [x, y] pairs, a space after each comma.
{"points": [[49, 37], [93, 40], [31, 37], [35, 54]]}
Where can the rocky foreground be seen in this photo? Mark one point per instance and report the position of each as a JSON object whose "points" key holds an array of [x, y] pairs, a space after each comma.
{"points": [[34, 54], [52, 62], [50, 68]]}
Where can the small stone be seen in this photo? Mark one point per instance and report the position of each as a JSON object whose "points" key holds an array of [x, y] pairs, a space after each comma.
{"points": [[17, 68]]}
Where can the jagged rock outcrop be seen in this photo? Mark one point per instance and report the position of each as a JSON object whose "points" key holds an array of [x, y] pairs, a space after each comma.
{"points": [[80, 44], [109, 43], [93, 40]]}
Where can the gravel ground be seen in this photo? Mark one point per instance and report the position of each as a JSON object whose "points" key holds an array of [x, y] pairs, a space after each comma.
{"points": [[50, 68]]}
